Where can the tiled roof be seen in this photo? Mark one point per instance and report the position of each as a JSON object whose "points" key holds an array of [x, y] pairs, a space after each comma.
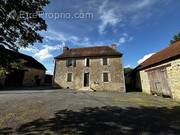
{"points": [[97, 51], [30, 62], [166, 54]]}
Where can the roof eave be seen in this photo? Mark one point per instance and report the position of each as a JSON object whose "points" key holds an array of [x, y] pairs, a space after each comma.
{"points": [[59, 57], [140, 68]]}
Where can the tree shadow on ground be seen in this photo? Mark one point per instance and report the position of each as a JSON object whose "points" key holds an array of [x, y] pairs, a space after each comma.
{"points": [[106, 121]]}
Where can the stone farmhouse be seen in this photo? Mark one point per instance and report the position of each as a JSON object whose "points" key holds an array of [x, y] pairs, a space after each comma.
{"points": [[29, 72], [93, 68], [160, 74]]}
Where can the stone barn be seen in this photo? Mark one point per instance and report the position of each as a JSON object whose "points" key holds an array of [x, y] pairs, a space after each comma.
{"points": [[92, 68], [160, 74], [29, 71]]}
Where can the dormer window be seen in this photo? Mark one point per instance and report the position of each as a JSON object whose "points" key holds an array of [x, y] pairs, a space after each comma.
{"points": [[105, 61], [71, 62], [87, 62]]}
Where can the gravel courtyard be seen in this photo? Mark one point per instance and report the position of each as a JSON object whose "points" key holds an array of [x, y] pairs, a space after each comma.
{"points": [[91, 113]]}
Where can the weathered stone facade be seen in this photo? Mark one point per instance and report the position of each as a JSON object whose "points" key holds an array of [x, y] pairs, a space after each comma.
{"points": [[173, 73], [26, 72], [95, 70], [30, 74], [29, 77]]}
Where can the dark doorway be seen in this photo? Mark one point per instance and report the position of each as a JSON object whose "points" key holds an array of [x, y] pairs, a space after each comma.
{"points": [[37, 80], [14, 78], [86, 79]]}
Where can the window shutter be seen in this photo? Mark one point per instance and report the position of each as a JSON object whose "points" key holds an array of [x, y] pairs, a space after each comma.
{"points": [[67, 62], [74, 62]]}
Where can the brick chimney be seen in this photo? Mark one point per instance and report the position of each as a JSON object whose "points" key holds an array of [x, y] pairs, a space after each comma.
{"points": [[113, 46], [65, 49]]}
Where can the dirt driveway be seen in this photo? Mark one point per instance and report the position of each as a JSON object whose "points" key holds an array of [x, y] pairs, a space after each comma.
{"points": [[90, 113]]}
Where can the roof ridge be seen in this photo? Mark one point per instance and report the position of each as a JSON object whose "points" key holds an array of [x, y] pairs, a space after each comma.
{"points": [[93, 51], [24, 56], [90, 47], [167, 53], [170, 46]]}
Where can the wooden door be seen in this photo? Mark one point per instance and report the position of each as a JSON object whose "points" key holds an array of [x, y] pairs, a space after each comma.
{"points": [[158, 80], [165, 83], [86, 79]]}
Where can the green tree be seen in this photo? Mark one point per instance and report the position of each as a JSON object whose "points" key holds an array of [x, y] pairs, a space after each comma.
{"points": [[175, 38], [128, 70], [20, 24], [18, 27]]}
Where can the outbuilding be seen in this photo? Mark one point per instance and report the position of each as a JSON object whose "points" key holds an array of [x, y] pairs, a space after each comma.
{"points": [[29, 71], [160, 74]]}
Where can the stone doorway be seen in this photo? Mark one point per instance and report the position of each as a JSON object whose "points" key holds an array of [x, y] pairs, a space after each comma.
{"points": [[86, 79]]}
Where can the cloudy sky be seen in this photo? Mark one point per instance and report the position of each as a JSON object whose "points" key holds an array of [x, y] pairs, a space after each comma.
{"points": [[138, 27]]}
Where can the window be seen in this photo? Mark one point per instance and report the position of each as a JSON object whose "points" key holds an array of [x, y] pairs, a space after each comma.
{"points": [[69, 77], [105, 61], [87, 62], [105, 77], [71, 62]]}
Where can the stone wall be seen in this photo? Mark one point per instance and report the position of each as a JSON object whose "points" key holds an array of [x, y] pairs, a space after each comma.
{"points": [[173, 73], [29, 76], [174, 78], [115, 69]]}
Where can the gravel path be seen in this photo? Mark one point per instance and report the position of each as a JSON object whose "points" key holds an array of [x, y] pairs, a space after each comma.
{"points": [[71, 112]]}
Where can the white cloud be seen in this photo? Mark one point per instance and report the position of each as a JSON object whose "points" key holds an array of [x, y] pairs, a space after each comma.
{"points": [[50, 72], [119, 13], [107, 17], [124, 38], [127, 66], [85, 42], [46, 51], [54, 47], [43, 54], [142, 4], [30, 49], [53, 35], [75, 38], [145, 58], [125, 34]]}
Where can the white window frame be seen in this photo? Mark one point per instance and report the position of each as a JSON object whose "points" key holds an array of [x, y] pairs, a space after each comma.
{"points": [[85, 62]]}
